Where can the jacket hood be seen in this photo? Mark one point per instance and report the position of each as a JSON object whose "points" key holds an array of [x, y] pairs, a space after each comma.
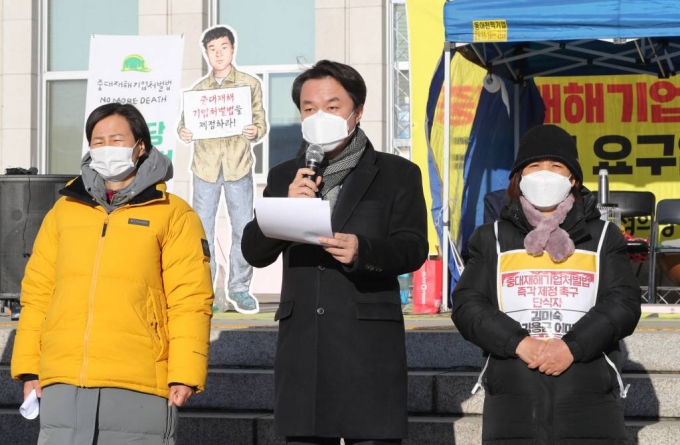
{"points": [[585, 209], [155, 168]]}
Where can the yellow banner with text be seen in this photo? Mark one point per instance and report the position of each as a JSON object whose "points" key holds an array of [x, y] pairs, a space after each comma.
{"points": [[626, 124], [466, 87]]}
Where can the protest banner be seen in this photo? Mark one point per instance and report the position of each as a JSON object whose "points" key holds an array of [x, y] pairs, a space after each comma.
{"points": [[626, 124], [144, 71]]}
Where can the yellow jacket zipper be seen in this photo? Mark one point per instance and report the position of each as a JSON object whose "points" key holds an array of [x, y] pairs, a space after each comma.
{"points": [[90, 311]]}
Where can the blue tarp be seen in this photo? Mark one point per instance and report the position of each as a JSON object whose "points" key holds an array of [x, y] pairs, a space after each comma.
{"points": [[544, 38], [563, 37], [488, 158], [531, 20], [490, 153]]}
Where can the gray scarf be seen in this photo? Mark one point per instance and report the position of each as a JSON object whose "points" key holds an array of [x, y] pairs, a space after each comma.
{"points": [[156, 168], [336, 171]]}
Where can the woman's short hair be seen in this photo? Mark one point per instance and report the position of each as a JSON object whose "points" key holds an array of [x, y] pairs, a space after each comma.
{"points": [[138, 126]]}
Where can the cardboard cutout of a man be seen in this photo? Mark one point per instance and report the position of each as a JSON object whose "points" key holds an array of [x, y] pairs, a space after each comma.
{"points": [[225, 163]]}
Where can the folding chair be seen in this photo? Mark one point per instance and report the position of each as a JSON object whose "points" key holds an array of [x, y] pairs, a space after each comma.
{"points": [[667, 212], [632, 205]]}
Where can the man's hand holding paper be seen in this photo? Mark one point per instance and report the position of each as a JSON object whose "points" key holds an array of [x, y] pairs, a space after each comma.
{"points": [[300, 220]]}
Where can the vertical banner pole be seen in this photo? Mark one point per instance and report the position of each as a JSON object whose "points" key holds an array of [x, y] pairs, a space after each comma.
{"points": [[446, 229]]}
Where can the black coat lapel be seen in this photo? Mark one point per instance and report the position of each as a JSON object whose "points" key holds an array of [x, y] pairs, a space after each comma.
{"points": [[354, 188]]}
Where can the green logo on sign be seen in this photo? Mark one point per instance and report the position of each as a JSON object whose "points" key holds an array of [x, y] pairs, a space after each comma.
{"points": [[135, 62]]}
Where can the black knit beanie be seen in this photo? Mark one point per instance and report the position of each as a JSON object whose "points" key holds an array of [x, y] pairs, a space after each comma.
{"points": [[548, 142]]}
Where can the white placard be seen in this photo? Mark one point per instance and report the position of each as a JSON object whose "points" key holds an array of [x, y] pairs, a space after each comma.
{"points": [[547, 303], [218, 113], [144, 71]]}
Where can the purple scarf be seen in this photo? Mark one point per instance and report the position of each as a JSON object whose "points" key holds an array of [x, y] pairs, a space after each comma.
{"points": [[547, 235]]}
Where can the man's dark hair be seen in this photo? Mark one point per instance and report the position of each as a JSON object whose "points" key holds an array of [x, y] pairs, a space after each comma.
{"points": [[348, 77], [217, 33], [138, 126]]}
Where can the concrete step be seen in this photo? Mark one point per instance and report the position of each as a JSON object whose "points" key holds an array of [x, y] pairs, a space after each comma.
{"points": [[257, 428], [649, 396], [435, 349], [430, 392], [645, 351]]}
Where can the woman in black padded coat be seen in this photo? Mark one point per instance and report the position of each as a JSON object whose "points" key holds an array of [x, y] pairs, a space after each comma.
{"points": [[547, 294]]}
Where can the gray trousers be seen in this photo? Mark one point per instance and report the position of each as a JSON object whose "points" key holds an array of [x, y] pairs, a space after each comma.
{"points": [[104, 416]]}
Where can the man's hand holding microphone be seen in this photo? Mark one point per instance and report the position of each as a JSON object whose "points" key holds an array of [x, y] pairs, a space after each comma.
{"points": [[306, 182], [344, 247]]}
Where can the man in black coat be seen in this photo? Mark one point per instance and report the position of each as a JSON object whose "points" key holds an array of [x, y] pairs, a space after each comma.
{"points": [[340, 369]]}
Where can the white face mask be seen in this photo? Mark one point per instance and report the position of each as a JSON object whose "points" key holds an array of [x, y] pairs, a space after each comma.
{"points": [[113, 163], [545, 189], [325, 129]]}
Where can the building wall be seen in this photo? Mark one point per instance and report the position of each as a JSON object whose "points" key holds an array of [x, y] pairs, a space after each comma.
{"points": [[189, 18], [353, 32], [349, 31], [2, 71], [18, 83]]}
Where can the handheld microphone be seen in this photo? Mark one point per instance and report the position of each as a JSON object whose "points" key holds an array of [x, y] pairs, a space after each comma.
{"points": [[313, 158]]}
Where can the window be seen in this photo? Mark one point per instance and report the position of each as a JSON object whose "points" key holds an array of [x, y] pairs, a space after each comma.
{"points": [[400, 111], [276, 47], [65, 63], [65, 118], [282, 33], [285, 135]]}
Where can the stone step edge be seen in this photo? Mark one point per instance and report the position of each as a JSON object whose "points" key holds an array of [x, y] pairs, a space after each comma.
{"points": [[414, 419], [411, 329], [473, 420], [414, 329], [419, 372]]}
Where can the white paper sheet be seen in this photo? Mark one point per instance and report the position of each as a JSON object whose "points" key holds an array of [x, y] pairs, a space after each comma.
{"points": [[294, 219], [31, 407]]}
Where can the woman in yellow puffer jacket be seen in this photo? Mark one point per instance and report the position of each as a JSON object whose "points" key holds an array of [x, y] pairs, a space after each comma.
{"points": [[117, 296]]}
